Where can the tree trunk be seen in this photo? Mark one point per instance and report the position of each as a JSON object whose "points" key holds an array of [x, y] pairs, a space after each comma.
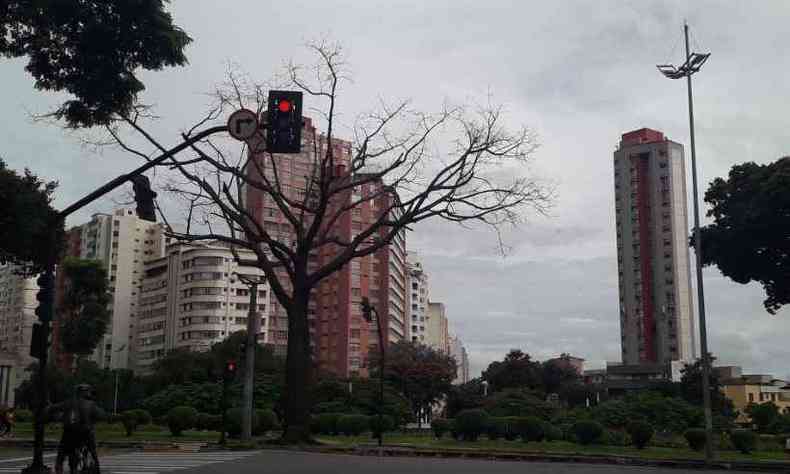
{"points": [[298, 372]]}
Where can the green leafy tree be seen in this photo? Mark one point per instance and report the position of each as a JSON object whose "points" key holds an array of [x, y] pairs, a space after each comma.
{"points": [[763, 414], [558, 376], [691, 390], [516, 370], [751, 221], [85, 314], [422, 374], [92, 50], [518, 402], [465, 397], [28, 224]]}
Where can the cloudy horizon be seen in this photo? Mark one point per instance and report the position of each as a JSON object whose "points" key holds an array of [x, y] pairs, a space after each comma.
{"points": [[578, 73]]}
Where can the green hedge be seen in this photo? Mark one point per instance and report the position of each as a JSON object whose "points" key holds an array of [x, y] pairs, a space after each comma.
{"points": [[470, 424], [353, 425], [641, 432], [552, 433], [180, 419], [587, 431], [695, 438], [530, 428], [744, 440], [384, 424], [132, 419], [440, 426]]}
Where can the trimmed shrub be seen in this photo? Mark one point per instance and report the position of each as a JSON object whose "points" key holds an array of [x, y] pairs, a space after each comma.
{"points": [[454, 429], [352, 425], [131, 419], [552, 433], [327, 423], [471, 424], [695, 438], [744, 440], [180, 419], [615, 438], [383, 424], [530, 428], [511, 434], [440, 426], [587, 431], [641, 432], [496, 428], [202, 421], [264, 421]]}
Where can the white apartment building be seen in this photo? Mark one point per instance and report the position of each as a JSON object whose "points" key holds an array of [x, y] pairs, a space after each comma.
{"points": [[656, 317], [417, 301], [458, 352], [436, 328], [123, 242], [192, 298], [17, 315]]}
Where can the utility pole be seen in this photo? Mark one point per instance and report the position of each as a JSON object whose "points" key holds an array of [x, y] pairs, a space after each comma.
{"points": [[694, 62], [253, 327], [368, 311]]}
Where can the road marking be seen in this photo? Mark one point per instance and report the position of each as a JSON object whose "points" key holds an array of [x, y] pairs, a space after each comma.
{"points": [[25, 459]]}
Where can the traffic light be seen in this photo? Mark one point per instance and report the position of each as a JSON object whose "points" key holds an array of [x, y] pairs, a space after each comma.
{"points": [[39, 341], [45, 296], [230, 370], [144, 197], [284, 122]]}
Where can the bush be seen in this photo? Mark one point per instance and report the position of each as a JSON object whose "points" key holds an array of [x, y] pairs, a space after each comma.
{"points": [[743, 440], [470, 424], [496, 428], [180, 419], [352, 425], [511, 434], [440, 426], [202, 421], [615, 438], [454, 429], [264, 421], [641, 432], [326, 423], [695, 438], [552, 432], [587, 431], [131, 419], [383, 424], [530, 428], [23, 416]]}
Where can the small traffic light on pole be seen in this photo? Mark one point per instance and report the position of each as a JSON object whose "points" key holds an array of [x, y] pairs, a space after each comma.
{"points": [[144, 197], [284, 122], [230, 370], [45, 296]]}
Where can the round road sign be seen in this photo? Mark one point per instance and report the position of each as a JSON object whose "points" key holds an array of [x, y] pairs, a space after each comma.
{"points": [[242, 124]]}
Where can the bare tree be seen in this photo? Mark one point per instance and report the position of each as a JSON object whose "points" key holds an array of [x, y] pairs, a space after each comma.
{"points": [[393, 163]]}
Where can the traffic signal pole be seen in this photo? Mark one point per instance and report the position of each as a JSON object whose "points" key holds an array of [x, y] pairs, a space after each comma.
{"points": [[37, 466], [249, 364]]}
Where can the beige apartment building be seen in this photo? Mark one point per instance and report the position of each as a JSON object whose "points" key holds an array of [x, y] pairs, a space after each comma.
{"points": [[656, 317], [752, 388], [17, 314], [458, 352], [193, 297], [437, 334], [418, 293]]}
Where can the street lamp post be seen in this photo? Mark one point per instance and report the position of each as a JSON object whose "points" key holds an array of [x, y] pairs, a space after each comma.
{"points": [[368, 311], [253, 325], [694, 62]]}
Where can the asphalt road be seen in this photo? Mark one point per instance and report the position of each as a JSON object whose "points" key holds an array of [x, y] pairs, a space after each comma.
{"points": [[282, 462]]}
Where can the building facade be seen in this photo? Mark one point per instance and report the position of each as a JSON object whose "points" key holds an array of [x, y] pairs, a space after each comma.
{"points": [[753, 388], [193, 297], [458, 352], [437, 333], [418, 298], [123, 243], [17, 315], [342, 341], [656, 317]]}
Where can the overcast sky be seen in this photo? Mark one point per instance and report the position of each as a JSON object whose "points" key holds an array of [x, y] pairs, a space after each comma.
{"points": [[578, 73]]}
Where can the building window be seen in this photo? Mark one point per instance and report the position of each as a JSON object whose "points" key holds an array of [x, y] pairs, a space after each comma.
{"points": [[751, 397]]}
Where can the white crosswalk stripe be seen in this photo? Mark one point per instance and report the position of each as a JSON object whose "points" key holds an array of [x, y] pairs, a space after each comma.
{"points": [[154, 463]]}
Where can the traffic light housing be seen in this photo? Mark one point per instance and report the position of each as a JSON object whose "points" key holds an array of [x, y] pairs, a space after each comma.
{"points": [[284, 122], [230, 370], [45, 296], [39, 341], [144, 197]]}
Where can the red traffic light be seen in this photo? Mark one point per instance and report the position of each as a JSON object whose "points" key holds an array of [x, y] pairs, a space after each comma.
{"points": [[284, 106], [231, 366]]}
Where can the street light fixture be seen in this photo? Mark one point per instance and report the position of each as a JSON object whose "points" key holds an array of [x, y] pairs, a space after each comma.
{"points": [[694, 62], [368, 311]]}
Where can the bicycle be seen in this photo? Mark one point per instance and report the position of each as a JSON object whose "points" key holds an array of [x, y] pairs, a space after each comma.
{"points": [[81, 461]]}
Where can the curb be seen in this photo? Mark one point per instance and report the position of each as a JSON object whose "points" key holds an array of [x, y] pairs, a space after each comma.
{"points": [[397, 451]]}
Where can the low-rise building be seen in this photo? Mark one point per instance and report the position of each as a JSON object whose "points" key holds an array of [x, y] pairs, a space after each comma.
{"points": [[743, 390]]}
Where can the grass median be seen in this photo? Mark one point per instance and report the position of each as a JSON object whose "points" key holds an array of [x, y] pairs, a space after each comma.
{"points": [[426, 441]]}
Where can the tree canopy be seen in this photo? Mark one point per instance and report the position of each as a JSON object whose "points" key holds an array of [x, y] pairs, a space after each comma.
{"points": [[516, 370], [749, 239], [91, 50], [85, 301], [28, 223]]}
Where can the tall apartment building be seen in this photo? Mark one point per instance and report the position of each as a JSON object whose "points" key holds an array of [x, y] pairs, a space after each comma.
{"points": [[192, 298], [437, 333], [341, 339], [417, 301], [656, 317], [122, 242], [17, 315], [458, 352]]}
